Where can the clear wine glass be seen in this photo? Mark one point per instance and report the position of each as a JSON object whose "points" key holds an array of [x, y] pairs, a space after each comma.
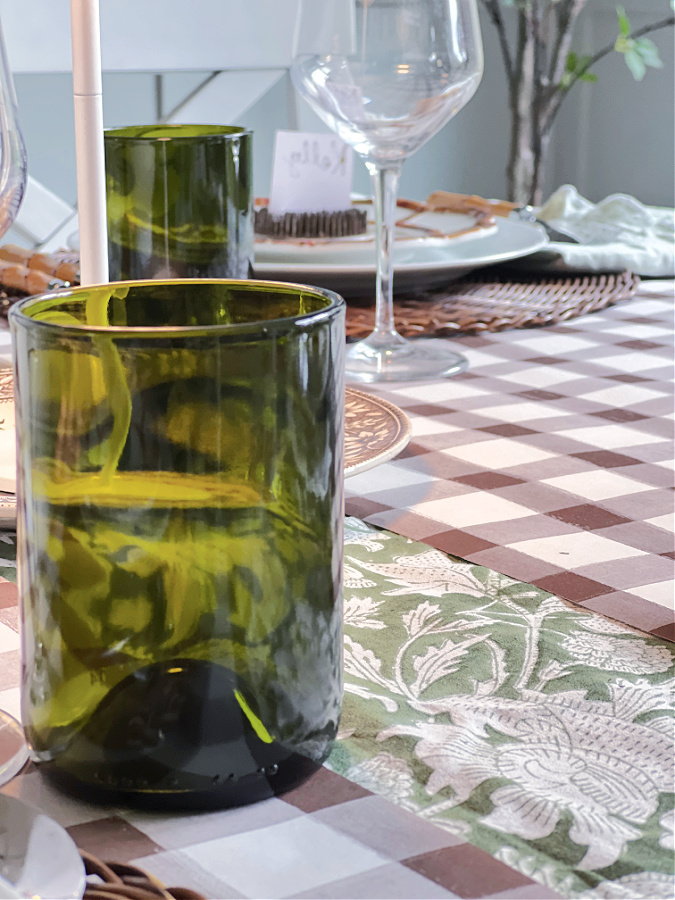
{"points": [[386, 75], [13, 750]]}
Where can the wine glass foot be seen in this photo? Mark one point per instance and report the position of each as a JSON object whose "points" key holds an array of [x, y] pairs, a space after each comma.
{"points": [[421, 360], [13, 748]]}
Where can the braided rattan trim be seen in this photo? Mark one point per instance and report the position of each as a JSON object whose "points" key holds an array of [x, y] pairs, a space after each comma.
{"points": [[475, 304], [121, 881]]}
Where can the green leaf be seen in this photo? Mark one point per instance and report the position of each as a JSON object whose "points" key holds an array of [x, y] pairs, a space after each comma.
{"points": [[648, 52], [573, 67], [635, 63], [624, 23]]}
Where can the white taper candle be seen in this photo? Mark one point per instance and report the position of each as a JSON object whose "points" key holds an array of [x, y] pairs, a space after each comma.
{"points": [[90, 159]]}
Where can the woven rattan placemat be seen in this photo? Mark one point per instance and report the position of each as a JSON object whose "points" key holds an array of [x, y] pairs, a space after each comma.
{"points": [[121, 881], [490, 300], [493, 300]]}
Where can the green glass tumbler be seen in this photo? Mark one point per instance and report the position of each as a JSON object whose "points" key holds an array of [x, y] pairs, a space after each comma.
{"points": [[180, 514], [179, 201]]}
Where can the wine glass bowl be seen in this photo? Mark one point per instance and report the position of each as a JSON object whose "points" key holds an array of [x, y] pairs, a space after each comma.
{"points": [[13, 751], [387, 75]]}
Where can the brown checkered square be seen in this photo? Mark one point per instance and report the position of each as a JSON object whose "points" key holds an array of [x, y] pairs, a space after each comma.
{"points": [[112, 838], [467, 871]]}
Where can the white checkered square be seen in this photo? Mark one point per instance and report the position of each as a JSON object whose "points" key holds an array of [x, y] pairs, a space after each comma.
{"points": [[571, 551], [9, 639], [520, 412], [386, 477], [284, 859], [474, 509], [662, 592], [635, 363], [623, 395], [540, 376], [612, 437], [597, 485], [550, 343], [500, 453]]}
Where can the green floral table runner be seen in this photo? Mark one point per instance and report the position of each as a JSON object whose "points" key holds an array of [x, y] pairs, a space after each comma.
{"points": [[536, 731]]}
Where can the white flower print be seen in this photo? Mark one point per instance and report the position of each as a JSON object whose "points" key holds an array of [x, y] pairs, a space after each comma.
{"points": [[424, 614], [363, 664], [362, 535], [616, 655], [354, 580], [545, 874], [359, 612], [384, 774], [606, 772], [593, 622], [654, 885], [430, 573]]}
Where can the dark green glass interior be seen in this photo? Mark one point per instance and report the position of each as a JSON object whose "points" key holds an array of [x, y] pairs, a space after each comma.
{"points": [[179, 201], [179, 304]]}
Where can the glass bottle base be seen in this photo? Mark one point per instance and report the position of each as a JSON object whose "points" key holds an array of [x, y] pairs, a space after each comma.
{"points": [[226, 793], [178, 734]]}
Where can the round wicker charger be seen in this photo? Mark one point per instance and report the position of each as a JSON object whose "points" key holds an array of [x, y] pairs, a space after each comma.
{"points": [[494, 301]]}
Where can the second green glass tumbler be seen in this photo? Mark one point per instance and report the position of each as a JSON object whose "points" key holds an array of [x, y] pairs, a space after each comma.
{"points": [[180, 201]]}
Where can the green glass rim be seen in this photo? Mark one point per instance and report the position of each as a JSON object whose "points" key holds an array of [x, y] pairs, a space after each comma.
{"points": [[19, 312], [145, 134]]}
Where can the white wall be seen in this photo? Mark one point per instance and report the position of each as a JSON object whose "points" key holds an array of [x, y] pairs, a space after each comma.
{"points": [[615, 135]]}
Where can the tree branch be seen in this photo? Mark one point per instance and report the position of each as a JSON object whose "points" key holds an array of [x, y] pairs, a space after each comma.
{"points": [[560, 91], [567, 13], [639, 32], [494, 12]]}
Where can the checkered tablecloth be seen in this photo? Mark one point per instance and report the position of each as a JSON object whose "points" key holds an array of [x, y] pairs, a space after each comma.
{"points": [[329, 838], [550, 460]]}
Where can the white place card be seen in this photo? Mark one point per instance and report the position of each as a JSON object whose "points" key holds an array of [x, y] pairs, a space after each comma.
{"points": [[310, 173]]}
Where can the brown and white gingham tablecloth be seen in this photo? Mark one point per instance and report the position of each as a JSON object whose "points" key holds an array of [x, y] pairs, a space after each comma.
{"points": [[550, 460]]}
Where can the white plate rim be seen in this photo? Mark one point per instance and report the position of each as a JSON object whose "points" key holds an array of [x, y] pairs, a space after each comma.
{"points": [[533, 239]]}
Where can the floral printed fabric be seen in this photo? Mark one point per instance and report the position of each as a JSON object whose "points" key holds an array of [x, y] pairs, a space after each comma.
{"points": [[7, 555], [538, 732]]}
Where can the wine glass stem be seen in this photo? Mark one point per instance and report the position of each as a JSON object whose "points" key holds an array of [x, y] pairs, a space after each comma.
{"points": [[385, 192]]}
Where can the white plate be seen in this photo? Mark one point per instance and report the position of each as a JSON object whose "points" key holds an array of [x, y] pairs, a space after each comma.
{"points": [[417, 231], [39, 859], [417, 265]]}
